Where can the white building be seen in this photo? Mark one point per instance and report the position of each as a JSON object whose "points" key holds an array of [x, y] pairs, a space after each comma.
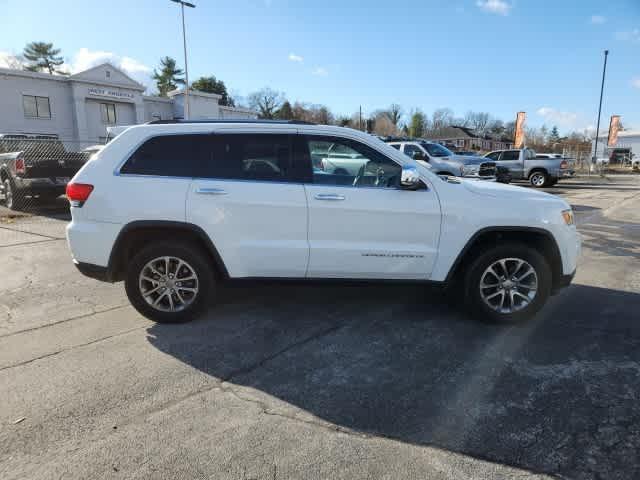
{"points": [[627, 146], [80, 107]]}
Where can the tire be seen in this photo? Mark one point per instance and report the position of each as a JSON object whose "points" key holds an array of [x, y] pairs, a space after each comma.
{"points": [[539, 179], [478, 300], [195, 263], [13, 199]]}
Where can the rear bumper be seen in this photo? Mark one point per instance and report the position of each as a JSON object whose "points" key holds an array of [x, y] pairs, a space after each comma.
{"points": [[566, 173], [56, 184]]}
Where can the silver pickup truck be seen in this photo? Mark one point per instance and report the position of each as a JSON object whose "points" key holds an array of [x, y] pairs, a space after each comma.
{"points": [[523, 164], [445, 162]]}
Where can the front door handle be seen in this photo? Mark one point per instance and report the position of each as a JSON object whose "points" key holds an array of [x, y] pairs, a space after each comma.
{"points": [[211, 191], [329, 196]]}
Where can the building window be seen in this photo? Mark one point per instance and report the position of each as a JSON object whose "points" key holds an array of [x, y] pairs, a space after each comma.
{"points": [[36, 107], [108, 113]]}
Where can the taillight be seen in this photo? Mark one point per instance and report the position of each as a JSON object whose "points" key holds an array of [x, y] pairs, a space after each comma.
{"points": [[20, 165], [78, 193], [564, 164]]}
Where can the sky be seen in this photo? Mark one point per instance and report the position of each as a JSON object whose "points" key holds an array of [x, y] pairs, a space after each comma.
{"points": [[500, 56]]}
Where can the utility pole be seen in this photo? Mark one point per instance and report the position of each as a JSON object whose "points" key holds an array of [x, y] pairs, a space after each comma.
{"points": [[186, 68], [604, 71]]}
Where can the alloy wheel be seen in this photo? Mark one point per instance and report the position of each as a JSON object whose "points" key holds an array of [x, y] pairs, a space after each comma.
{"points": [[508, 285], [168, 284]]}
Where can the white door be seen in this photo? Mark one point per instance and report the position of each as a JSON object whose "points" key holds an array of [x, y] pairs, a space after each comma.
{"points": [[364, 225], [249, 206]]}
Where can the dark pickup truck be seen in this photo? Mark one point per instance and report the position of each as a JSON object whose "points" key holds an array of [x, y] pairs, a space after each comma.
{"points": [[35, 166]]}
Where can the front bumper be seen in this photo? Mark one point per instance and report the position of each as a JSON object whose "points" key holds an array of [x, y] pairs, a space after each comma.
{"points": [[93, 271]]}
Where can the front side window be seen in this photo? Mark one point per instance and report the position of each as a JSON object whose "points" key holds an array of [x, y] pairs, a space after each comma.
{"points": [[511, 155], [169, 156], [346, 162], [37, 107], [412, 151], [108, 113], [494, 156], [437, 150]]}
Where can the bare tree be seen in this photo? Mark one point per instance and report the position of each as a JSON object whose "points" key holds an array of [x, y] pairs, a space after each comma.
{"points": [[395, 113], [442, 117], [384, 126], [266, 102]]}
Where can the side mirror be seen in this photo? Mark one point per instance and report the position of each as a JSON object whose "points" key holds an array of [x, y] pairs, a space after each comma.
{"points": [[417, 155], [409, 178]]}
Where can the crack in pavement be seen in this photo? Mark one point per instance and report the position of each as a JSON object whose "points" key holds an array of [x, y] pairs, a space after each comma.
{"points": [[32, 233], [32, 242], [77, 317], [80, 345]]}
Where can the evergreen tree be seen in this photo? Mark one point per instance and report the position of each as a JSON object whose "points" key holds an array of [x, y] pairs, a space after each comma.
{"points": [[169, 76], [42, 57]]}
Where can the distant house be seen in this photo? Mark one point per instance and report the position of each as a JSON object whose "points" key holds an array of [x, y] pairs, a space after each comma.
{"points": [[463, 138]]}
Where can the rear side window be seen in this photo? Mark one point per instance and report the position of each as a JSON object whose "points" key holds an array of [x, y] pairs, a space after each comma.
{"points": [[510, 155], [169, 156], [225, 156], [262, 157]]}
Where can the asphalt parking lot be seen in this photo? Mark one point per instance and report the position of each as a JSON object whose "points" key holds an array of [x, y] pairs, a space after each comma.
{"points": [[322, 381]]}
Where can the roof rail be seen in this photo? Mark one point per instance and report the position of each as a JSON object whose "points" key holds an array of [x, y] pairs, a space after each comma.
{"points": [[234, 120]]}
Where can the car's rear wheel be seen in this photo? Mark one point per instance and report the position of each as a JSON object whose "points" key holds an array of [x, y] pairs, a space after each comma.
{"points": [[539, 179], [507, 284], [169, 283]]}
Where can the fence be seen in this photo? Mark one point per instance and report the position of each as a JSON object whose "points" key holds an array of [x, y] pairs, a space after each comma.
{"points": [[34, 171]]}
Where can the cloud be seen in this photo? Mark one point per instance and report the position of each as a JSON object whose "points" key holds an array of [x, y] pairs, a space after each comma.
{"points": [[320, 72], [85, 59], [598, 19], [499, 7], [564, 120], [295, 58], [635, 82], [629, 35]]}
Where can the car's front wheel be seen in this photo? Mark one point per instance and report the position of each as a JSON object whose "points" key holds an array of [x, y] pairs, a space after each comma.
{"points": [[508, 283], [169, 282]]}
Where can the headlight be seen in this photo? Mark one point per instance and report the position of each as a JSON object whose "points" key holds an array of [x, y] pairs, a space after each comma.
{"points": [[470, 169], [567, 215]]}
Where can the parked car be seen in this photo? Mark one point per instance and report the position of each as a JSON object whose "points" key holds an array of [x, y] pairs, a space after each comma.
{"points": [[174, 209], [523, 165], [35, 166], [444, 162]]}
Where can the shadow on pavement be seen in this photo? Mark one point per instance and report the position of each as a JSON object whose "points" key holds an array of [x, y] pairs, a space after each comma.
{"points": [[559, 394]]}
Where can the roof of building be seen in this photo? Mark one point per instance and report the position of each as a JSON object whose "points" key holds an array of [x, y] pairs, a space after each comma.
{"points": [[624, 133], [460, 132]]}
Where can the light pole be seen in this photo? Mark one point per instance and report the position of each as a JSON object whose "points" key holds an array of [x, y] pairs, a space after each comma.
{"points": [[604, 71], [186, 68]]}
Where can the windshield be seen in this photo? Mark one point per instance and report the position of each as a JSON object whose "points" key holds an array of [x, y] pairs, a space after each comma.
{"points": [[436, 150]]}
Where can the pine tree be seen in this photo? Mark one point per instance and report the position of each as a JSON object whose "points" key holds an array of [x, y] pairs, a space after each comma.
{"points": [[42, 57], [169, 76]]}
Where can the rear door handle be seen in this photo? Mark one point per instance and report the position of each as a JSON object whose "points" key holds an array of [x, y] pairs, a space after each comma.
{"points": [[211, 191], [329, 196]]}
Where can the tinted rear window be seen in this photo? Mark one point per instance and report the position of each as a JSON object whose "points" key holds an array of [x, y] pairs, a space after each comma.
{"points": [[225, 156], [169, 156]]}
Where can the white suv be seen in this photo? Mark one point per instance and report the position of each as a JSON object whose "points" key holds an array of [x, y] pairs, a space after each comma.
{"points": [[174, 208]]}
